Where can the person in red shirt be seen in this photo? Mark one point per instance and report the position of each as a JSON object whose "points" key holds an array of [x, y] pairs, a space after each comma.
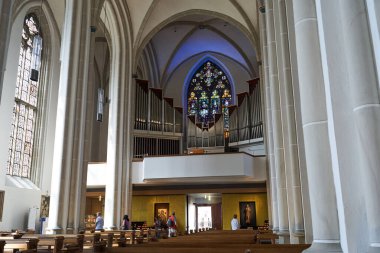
{"points": [[172, 225]]}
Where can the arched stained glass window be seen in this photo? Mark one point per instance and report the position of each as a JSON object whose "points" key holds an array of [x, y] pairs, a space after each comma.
{"points": [[209, 93], [21, 142]]}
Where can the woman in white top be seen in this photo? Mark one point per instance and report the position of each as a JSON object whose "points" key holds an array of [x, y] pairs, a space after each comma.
{"points": [[235, 223]]}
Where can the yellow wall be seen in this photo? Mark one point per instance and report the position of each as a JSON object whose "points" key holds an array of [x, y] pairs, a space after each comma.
{"points": [[143, 208], [230, 206]]}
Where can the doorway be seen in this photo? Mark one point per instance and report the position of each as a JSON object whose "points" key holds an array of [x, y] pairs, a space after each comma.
{"points": [[204, 211], [208, 216]]}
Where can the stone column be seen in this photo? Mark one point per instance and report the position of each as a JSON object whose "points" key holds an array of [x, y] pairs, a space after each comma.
{"points": [[69, 175], [5, 30], [268, 125], [296, 221], [364, 90], [278, 144], [118, 143], [314, 119]]}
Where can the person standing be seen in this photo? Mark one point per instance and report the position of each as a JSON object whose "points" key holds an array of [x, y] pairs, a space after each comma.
{"points": [[126, 223], [99, 222], [157, 226], [235, 223], [172, 225]]}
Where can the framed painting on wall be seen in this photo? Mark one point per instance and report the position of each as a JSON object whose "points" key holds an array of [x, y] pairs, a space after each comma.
{"points": [[247, 214], [161, 210]]}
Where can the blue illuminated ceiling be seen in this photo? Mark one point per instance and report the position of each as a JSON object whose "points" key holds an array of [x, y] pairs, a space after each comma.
{"points": [[198, 35]]}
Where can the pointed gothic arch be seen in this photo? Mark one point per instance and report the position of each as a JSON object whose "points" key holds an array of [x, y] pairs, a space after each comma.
{"points": [[208, 90]]}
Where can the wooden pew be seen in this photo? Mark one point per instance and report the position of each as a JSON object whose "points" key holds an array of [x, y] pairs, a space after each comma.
{"points": [[266, 237], [94, 241], [213, 242], [2, 243], [120, 238], [73, 243], [49, 243], [59, 243], [22, 245]]}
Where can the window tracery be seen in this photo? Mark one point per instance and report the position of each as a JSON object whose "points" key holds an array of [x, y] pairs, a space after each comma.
{"points": [[209, 93], [24, 116]]}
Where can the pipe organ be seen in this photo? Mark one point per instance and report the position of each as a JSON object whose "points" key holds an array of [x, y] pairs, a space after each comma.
{"points": [[158, 124], [141, 105], [201, 135], [155, 111], [246, 122], [256, 111]]}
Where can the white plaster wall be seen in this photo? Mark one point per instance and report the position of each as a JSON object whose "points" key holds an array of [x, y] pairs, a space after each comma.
{"points": [[165, 9], [250, 8], [215, 165], [175, 84], [58, 9], [137, 172], [15, 213], [186, 167], [8, 93], [191, 210], [255, 149], [96, 174], [137, 10]]}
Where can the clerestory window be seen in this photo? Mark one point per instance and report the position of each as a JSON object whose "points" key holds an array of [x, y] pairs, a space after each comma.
{"points": [[20, 152]]}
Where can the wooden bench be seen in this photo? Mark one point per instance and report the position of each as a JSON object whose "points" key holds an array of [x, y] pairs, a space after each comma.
{"points": [[95, 242], [213, 242], [22, 245], [265, 237], [59, 243]]}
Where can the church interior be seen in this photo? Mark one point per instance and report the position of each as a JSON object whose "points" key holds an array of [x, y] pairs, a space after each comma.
{"points": [[264, 109]]}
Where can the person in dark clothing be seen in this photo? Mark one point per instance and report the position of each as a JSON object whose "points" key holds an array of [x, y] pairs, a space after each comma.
{"points": [[126, 223]]}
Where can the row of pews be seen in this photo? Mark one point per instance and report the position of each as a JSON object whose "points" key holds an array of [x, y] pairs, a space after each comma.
{"points": [[217, 241], [115, 241], [72, 243]]}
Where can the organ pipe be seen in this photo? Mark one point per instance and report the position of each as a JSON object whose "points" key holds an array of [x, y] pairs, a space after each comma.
{"points": [[234, 130], [168, 115], [243, 116]]}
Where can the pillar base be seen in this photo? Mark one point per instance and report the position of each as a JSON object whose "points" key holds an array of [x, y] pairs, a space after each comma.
{"points": [[283, 236], [297, 238], [374, 248], [70, 231], [324, 247], [54, 231]]}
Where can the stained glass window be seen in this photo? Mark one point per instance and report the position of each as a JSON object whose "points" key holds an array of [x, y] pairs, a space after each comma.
{"points": [[209, 93], [21, 142]]}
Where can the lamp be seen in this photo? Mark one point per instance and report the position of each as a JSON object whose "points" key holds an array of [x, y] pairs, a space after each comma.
{"points": [[36, 54], [99, 114], [101, 99], [36, 57], [100, 198]]}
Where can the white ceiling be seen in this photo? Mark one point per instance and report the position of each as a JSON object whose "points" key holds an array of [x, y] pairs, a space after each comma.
{"points": [[197, 34]]}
